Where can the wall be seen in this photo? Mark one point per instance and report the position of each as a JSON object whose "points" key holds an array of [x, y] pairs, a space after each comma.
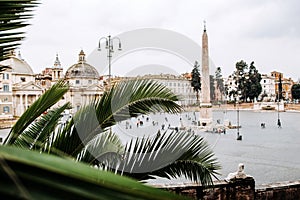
{"points": [[278, 191], [238, 189]]}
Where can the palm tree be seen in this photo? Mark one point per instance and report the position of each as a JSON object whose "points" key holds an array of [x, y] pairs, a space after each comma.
{"points": [[87, 136]]}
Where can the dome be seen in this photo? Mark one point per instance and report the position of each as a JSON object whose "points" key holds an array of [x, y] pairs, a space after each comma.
{"points": [[18, 65], [82, 69]]}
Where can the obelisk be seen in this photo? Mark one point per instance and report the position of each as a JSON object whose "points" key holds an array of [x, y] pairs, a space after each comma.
{"points": [[205, 104]]}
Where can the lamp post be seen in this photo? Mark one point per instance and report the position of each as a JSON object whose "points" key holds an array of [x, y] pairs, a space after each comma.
{"points": [[239, 137], [239, 76], [109, 45], [278, 100]]}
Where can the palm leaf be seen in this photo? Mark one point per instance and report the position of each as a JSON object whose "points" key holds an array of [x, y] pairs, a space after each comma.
{"points": [[39, 132], [42, 104], [31, 175], [13, 15], [134, 97], [104, 146], [124, 100], [170, 155]]}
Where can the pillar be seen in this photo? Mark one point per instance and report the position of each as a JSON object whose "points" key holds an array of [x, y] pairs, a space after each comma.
{"points": [[205, 104]]}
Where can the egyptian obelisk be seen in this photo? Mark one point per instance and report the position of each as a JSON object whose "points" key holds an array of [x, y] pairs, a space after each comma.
{"points": [[205, 104]]}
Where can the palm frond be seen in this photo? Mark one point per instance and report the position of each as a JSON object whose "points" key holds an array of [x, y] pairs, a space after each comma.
{"points": [[82, 128], [13, 15], [41, 105], [39, 132], [32, 175], [134, 97], [124, 100], [169, 155], [100, 148]]}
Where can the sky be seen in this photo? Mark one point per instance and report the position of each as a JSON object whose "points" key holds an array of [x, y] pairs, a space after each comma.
{"points": [[266, 32]]}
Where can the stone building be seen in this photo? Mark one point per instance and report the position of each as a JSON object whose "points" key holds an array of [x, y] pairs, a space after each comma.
{"points": [[50, 75], [268, 88], [17, 86], [287, 84], [180, 85], [84, 81]]}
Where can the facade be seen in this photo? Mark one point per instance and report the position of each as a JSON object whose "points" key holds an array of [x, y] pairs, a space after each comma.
{"points": [[268, 84], [17, 86], [180, 85], [20, 87], [84, 81], [287, 84]]}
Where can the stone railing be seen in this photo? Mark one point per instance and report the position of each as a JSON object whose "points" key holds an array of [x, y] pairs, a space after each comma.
{"points": [[237, 186]]}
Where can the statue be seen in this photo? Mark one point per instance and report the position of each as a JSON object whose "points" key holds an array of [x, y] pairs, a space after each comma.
{"points": [[240, 174]]}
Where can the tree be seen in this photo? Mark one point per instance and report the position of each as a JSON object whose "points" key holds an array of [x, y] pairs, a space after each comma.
{"points": [[87, 136], [295, 90], [196, 81], [253, 87], [239, 75], [220, 88], [247, 82], [13, 15], [212, 88]]}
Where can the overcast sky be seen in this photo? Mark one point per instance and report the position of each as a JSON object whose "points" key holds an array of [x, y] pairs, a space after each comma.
{"points": [[266, 32]]}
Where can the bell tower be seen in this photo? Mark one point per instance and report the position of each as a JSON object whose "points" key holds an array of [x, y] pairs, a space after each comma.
{"points": [[57, 70]]}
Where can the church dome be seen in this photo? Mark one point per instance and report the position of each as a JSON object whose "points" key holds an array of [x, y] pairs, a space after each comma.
{"points": [[18, 65], [82, 69]]}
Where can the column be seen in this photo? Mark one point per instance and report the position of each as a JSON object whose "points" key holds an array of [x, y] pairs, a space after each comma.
{"points": [[20, 107], [26, 101]]}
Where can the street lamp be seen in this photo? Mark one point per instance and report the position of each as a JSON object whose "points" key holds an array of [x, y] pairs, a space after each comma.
{"points": [[278, 100], [239, 137], [239, 76], [109, 45]]}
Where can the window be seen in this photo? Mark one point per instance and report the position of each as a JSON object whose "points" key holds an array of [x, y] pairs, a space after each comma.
{"points": [[6, 88], [6, 109], [90, 81], [77, 82], [5, 76]]}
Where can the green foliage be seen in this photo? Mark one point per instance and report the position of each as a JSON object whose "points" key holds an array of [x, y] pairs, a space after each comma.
{"points": [[212, 87], [30, 116], [295, 90], [219, 80], [32, 175], [170, 155], [87, 137], [13, 15], [253, 86], [217, 87], [248, 82], [196, 81]]}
